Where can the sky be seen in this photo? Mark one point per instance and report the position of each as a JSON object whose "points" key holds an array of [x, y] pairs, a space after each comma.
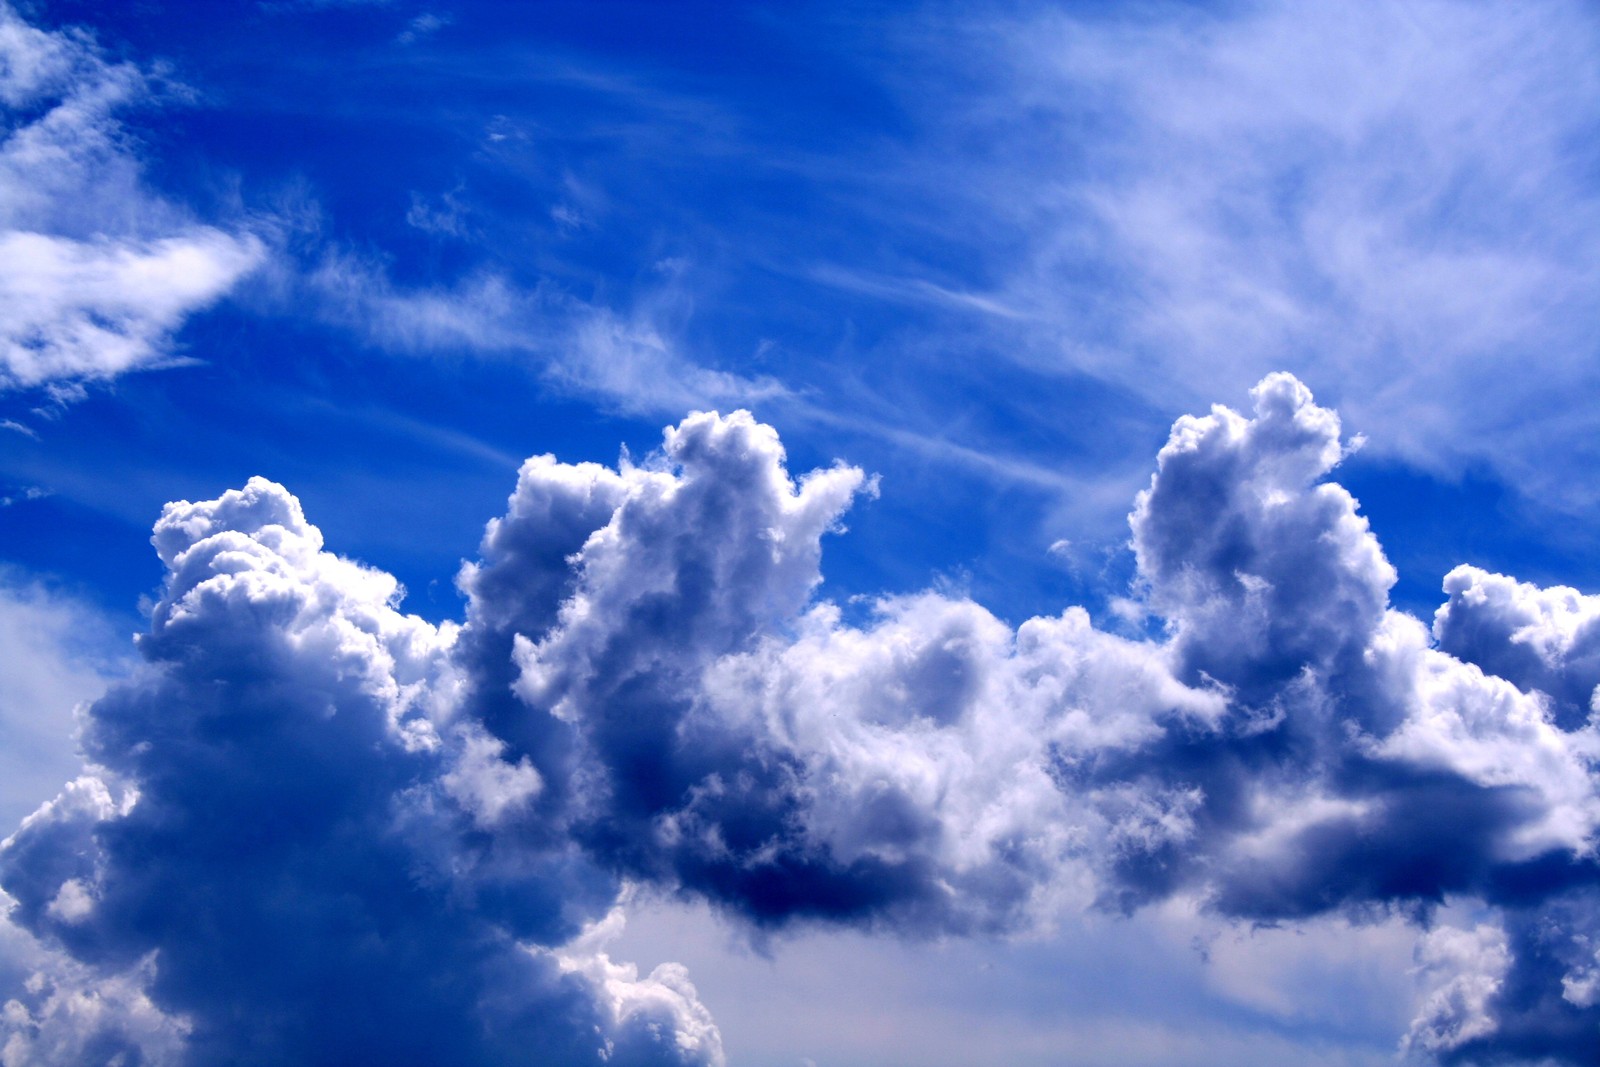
{"points": [[799, 535]]}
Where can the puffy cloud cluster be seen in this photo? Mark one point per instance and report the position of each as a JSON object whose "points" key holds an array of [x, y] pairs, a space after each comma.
{"points": [[1541, 639], [96, 272], [316, 829], [279, 853], [1471, 965]]}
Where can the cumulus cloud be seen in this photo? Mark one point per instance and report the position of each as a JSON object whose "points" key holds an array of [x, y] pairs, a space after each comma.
{"points": [[1260, 571], [1469, 967], [96, 271], [281, 846], [1539, 639], [646, 690], [638, 1011], [60, 1011], [1292, 748]]}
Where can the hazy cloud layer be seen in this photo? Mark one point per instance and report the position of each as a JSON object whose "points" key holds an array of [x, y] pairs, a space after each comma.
{"points": [[59, 653], [440, 822]]}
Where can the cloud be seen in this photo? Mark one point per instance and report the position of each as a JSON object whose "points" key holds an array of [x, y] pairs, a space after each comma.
{"points": [[633, 362], [645, 690], [59, 653], [67, 1013], [1539, 639], [88, 310], [1170, 987], [1260, 571], [1470, 967], [278, 785], [1294, 748], [96, 272], [450, 218], [1401, 203], [638, 1009], [629, 362], [422, 27]]}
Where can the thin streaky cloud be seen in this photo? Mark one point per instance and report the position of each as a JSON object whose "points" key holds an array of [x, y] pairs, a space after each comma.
{"points": [[96, 273]]}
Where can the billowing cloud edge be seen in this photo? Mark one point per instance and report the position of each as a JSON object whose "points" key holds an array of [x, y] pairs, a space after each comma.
{"points": [[646, 691]]}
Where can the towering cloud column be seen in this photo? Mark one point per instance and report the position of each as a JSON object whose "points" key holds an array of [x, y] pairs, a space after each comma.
{"points": [[280, 855]]}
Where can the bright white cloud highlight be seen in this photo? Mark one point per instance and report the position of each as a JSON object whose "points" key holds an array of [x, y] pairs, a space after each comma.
{"points": [[1469, 967], [96, 272]]}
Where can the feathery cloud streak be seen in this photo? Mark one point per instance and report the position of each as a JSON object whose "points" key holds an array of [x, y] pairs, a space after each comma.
{"points": [[96, 271], [1401, 204]]}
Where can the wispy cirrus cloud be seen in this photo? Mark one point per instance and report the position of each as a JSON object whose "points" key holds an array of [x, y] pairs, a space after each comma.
{"points": [[97, 272], [629, 360], [1398, 206]]}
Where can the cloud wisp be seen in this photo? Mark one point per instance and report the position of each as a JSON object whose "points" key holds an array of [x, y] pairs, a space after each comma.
{"points": [[97, 272], [420, 836], [629, 362], [1400, 203]]}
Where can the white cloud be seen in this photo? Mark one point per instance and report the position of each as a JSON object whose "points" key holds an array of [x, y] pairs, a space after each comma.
{"points": [[628, 362], [1540, 639], [484, 784], [59, 653], [934, 769], [1581, 985], [75, 310], [1258, 568], [445, 215], [66, 1012], [1161, 988], [423, 26], [1468, 968], [96, 272], [663, 1000], [1490, 733], [645, 688], [632, 362], [284, 734], [1399, 206]]}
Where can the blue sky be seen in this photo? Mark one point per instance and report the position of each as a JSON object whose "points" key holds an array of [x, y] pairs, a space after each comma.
{"points": [[971, 261]]}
